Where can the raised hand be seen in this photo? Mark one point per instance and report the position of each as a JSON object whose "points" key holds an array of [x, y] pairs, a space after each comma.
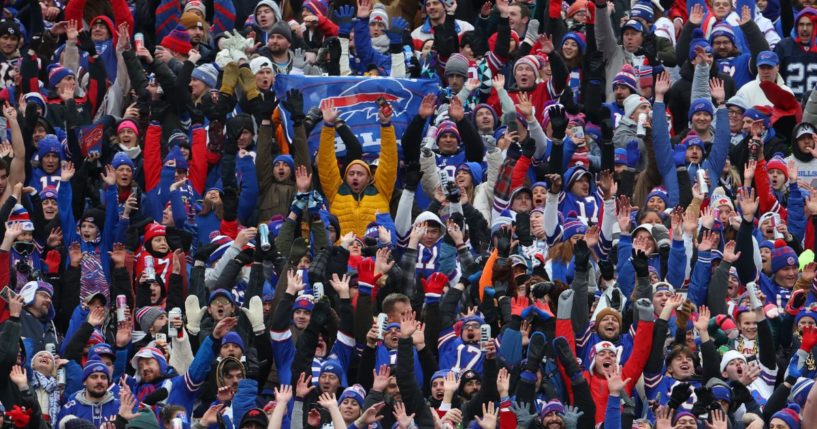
{"points": [[614, 382], [404, 421], [427, 106], [702, 322], [67, 172], [304, 385], [708, 240], [303, 180], [489, 417], [408, 325], [729, 254], [662, 85], [696, 16], [717, 90], [341, 285], [623, 214], [455, 109], [524, 106], [748, 203], [109, 177], [295, 282], [330, 113], [498, 81], [381, 378]]}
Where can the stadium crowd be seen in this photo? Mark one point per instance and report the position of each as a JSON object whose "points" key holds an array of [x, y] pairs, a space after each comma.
{"points": [[605, 214]]}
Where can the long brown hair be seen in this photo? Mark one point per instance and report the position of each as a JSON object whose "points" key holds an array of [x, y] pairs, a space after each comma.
{"points": [[562, 252]]}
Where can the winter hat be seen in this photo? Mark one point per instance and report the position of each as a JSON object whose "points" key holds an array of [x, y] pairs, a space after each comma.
{"points": [[101, 349], [10, 27], [177, 137], [93, 215], [633, 25], [701, 105], [319, 7], [645, 76], [662, 287], [721, 392], [790, 415], [356, 392], [531, 61], [56, 73], [49, 192], [150, 353], [692, 139], [286, 159], [221, 292], [600, 347], [259, 63], [448, 127], [94, 366], [145, 316], [232, 337], [120, 159], [77, 423], [96, 336], [719, 200], [20, 215], [632, 102], [621, 156], [722, 29], [474, 169], [800, 390], [178, 40], [36, 97], [729, 357], [698, 42], [50, 144], [571, 227], [577, 6], [303, 302], [552, 406], [682, 412], [573, 174], [777, 163], [607, 311], [379, 15], [439, 374], [254, 415], [481, 106], [579, 38], [276, 10], [195, 5], [806, 312], [626, 77], [659, 192], [332, 366], [783, 256], [192, 20], [282, 28], [759, 113], [129, 124], [498, 222], [457, 65], [206, 73], [643, 10], [153, 230]]}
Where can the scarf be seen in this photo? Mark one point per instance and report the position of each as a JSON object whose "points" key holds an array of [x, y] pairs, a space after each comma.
{"points": [[381, 43], [131, 152], [50, 387], [93, 279]]}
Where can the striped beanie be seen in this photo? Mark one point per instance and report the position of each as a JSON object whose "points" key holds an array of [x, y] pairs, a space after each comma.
{"points": [[57, 73], [626, 77], [448, 127], [790, 415], [94, 366], [722, 29], [178, 40], [531, 61]]}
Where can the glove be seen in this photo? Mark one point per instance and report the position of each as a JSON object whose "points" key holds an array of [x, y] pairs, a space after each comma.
{"points": [[607, 270], [194, 314], [740, 395], [571, 417], [523, 414], [314, 116], [809, 339], [230, 203], [754, 301], [641, 264], [503, 243], [396, 31], [453, 194], [20, 417], [679, 155], [633, 154], [366, 279], [320, 315], [156, 396], [85, 43], [245, 256], [582, 254], [315, 204], [646, 312], [565, 307], [679, 395], [518, 305], [528, 148], [203, 253], [255, 314], [52, 261], [558, 122], [36, 42], [299, 203], [299, 59], [433, 287], [796, 302], [539, 290], [343, 17], [536, 312], [794, 370], [703, 401], [413, 176], [532, 33], [294, 104]]}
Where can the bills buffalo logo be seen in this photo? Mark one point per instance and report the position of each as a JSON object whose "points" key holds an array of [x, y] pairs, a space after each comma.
{"points": [[361, 100]]}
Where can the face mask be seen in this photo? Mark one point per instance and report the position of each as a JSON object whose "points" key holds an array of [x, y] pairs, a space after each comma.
{"points": [[24, 248]]}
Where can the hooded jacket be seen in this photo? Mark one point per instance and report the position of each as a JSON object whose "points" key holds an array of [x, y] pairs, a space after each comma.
{"points": [[98, 412], [356, 211]]}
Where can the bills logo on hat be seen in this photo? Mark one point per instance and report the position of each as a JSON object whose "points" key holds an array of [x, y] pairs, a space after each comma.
{"points": [[790, 260]]}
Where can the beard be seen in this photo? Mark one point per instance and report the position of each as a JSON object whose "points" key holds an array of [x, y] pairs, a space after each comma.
{"points": [[96, 395]]}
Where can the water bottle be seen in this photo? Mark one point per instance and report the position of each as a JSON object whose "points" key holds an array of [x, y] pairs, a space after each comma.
{"points": [[263, 234]]}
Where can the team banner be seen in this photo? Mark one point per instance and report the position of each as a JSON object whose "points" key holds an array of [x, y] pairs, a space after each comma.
{"points": [[356, 99]]}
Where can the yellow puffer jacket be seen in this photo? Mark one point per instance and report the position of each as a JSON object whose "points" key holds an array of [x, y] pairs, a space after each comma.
{"points": [[356, 211]]}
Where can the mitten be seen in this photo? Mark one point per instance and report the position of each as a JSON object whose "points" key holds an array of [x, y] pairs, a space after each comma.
{"points": [[255, 314], [433, 287], [194, 314]]}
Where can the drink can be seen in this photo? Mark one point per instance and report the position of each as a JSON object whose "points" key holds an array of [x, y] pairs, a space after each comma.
{"points": [[61, 376], [149, 270], [51, 348], [641, 130], [175, 316], [121, 303], [139, 40], [702, 181], [263, 234], [578, 132], [176, 423]]}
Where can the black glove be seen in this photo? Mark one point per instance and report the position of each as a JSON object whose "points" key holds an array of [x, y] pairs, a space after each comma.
{"points": [[270, 254], [641, 264], [413, 176], [155, 397], [230, 203], [294, 104], [203, 253], [235, 126], [539, 290], [740, 395], [245, 256], [705, 398], [523, 229], [528, 147], [606, 124], [85, 43], [595, 67], [680, 393], [503, 242], [558, 122], [452, 193], [320, 315], [607, 269], [36, 42], [514, 151], [582, 254]]}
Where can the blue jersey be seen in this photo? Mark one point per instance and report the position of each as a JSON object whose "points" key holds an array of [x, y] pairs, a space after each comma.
{"points": [[737, 67], [456, 355], [798, 66]]}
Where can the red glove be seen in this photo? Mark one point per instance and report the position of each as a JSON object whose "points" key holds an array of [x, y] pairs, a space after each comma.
{"points": [[365, 277], [796, 302], [809, 338], [518, 304], [19, 416], [433, 286], [52, 260]]}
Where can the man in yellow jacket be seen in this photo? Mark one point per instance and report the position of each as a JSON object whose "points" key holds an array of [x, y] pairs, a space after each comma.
{"points": [[356, 198]]}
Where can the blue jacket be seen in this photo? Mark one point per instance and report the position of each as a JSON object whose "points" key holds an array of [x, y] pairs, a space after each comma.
{"points": [[714, 162], [364, 51], [97, 414], [663, 153]]}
